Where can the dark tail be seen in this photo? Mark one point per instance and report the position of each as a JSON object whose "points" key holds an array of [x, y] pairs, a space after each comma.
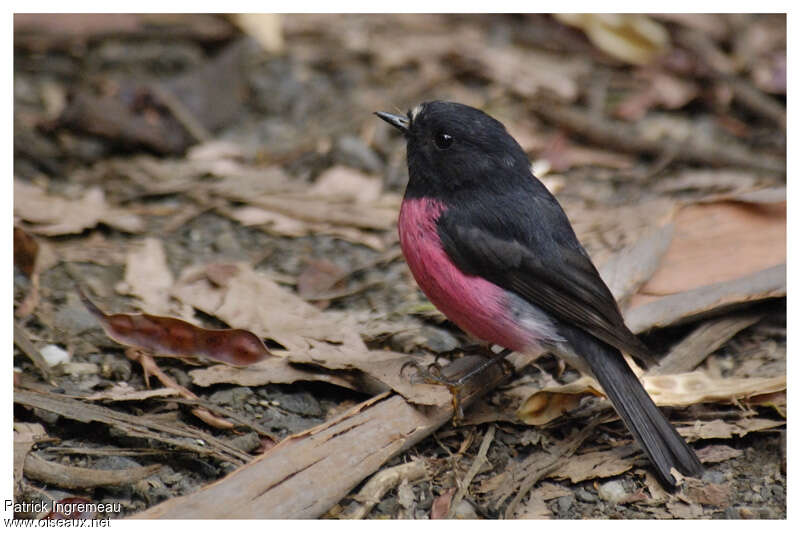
{"points": [[665, 448]]}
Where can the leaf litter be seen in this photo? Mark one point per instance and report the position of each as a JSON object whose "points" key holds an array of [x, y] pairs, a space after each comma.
{"points": [[683, 245]]}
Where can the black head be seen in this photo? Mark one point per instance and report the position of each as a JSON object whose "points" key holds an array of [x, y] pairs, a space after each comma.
{"points": [[454, 147]]}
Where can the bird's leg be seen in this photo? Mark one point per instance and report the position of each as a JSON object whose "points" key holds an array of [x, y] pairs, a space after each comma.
{"points": [[458, 375]]}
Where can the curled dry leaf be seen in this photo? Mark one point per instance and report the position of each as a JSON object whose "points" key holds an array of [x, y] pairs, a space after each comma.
{"points": [[546, 405], [632, 38], [678, 390], [174, 337]]}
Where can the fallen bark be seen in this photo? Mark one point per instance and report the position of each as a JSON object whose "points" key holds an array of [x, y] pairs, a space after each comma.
{"points": [[306, 474]]}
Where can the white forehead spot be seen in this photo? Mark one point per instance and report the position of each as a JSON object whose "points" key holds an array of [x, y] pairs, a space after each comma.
{"points": [[415, 112]]}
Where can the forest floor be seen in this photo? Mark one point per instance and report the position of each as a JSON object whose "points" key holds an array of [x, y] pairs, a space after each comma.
{"points": [[229, 172]]}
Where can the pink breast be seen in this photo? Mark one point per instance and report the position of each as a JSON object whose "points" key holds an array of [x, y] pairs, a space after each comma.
{"points": [[474, 304]]}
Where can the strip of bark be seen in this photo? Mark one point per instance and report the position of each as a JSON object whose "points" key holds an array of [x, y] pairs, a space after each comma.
{"points": [[75, 477], [306, 474], [704, 340], [694, 304]]}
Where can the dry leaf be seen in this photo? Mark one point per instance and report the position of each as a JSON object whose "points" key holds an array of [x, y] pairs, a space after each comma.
{"points": [[318, 277], [340, 183], [441, 504], [263, 27], [549, 491], [719, 429], [244, 298], [54, 215], [631, 38], [716, 453], [528, 72], [174, 337], [718, 242], [632, 266], [148, 277], [713, 494], [25, 438], [677, 390], [534, 509], [544, 406], [272, 370], [26, 251], [596, 465]]}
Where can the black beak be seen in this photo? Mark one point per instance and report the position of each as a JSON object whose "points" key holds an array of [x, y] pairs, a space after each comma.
{"points": [[398, 121]]}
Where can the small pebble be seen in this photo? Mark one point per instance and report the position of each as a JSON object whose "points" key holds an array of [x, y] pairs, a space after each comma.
{"points": [[612, 492], [564, 504], [54, 355], [465, 511]]}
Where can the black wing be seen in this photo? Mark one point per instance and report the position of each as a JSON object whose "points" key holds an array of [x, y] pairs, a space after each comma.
{"points": [[525, 244]]}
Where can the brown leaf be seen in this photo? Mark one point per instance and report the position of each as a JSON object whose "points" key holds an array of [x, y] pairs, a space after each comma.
{"points": [[310, 336], [596, 465], [174, 337], [441, 504], [318, 277], [718, 242], [716, 453], [25, 251], [713, 494], [675, 389]]}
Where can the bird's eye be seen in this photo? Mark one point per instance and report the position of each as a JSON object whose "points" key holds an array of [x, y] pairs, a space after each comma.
{"points": [[442, 140]]}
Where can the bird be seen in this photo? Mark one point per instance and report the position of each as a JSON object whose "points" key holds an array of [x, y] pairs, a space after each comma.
{"points": [[494, 251]]}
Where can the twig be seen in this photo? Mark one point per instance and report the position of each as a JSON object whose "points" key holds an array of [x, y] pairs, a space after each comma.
{"points": [[618, 135], [75, 477], [713, 58], [150, 367], [473, 470], [706, 338], [558, 457], [381, 483], [27, 347]]}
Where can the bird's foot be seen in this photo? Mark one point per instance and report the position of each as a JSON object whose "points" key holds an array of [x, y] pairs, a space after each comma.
{"points": [[461, 377]]}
